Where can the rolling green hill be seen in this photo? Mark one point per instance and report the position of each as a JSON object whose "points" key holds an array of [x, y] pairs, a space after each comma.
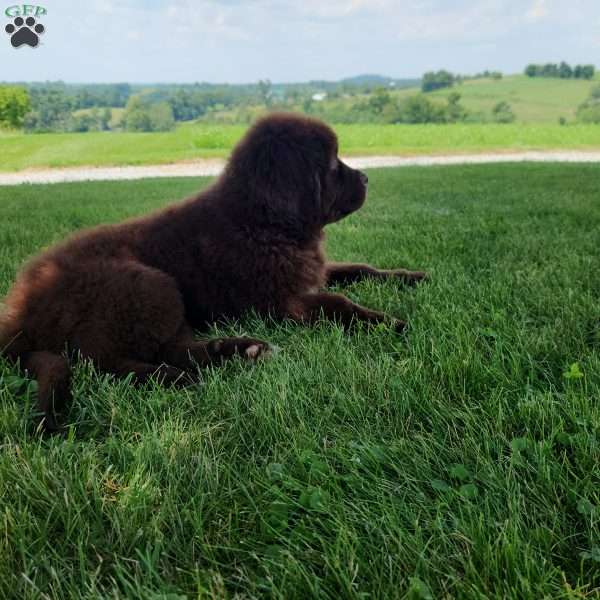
{"points": [[533, 100]]}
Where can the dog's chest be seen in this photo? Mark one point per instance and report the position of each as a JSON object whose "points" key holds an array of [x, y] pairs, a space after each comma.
{"points": [[283, 271], [265, 277]]}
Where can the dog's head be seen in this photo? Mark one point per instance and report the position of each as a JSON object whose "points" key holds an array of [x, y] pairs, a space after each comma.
{"points": [[291, 173]]}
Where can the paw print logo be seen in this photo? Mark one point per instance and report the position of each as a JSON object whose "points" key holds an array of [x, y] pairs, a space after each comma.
{"points": [[24, 32]]}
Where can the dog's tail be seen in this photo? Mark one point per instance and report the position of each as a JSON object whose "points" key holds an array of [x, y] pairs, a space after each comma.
{"points": [[52, 371]]}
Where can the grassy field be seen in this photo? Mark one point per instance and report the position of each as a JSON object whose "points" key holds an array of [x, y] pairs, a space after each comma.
{"points": [[194, 141], [533, 100], [459, 462]]}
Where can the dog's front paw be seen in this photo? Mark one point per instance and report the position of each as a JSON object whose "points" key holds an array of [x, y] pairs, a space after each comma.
{"points": [[409, 277], [247, 348], [399, 326]]}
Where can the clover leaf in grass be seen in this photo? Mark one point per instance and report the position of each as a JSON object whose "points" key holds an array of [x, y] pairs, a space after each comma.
{"points": [[573, 373], [317, 468], [459, 471], [520, 444], [275, 471], [314, 498], [278, 515], [593, 554], [419, 590], [563, 438], [440, 485], [469, 491], [585, 507]]}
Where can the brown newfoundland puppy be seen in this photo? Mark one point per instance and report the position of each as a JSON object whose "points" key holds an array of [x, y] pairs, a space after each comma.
{"points": [[129, 296]]}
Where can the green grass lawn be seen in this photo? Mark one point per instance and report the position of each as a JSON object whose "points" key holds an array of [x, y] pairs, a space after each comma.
{"points": [[459, 462], [195, 141]]}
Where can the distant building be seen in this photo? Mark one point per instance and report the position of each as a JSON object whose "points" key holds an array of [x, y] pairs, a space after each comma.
{"points": [[319, 97]]}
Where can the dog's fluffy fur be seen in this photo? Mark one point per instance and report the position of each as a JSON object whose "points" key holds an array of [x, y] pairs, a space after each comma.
{"points": [[128, 296]]}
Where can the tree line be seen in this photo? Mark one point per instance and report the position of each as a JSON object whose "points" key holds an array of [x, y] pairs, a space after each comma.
{"points": [[56, 106], [437, 80], [562, 71]]}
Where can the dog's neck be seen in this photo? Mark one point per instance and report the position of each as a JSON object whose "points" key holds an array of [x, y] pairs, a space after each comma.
{"points": [[258, 220]]}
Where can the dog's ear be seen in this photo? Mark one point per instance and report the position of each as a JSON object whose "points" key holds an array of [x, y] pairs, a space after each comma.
{"points": [[317, 195], [285, 184]]}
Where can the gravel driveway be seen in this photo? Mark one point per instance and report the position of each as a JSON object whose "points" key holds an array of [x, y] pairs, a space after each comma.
{"points": [[210, 167]]}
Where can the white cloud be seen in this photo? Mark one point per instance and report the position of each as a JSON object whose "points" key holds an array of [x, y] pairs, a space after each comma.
{"points": [[473, 22], [339, 9], [208, 20], [538, 10], [103, 7]]}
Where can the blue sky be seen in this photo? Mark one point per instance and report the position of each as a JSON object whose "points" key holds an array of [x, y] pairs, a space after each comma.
{"points": [[243, 41]]}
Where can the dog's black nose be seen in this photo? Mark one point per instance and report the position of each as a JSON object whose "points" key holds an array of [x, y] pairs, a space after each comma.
{"points": [[364, 178]]}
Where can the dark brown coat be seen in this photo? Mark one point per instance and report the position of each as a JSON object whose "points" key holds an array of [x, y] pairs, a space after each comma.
{"points": [[128, 296]]}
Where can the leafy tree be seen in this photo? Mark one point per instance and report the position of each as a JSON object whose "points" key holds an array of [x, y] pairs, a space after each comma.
{"points": [[104, 119], [50, 110], [455, 111], [587, 71], [161, 117], [419, 109], [550, 70], [14, 105], [390, 113], [531, 70], [81, 123], [188, 105], [265, 92], [378, 100], [141, 115], [92, 120], [437, 80], [136, 117], [503, 113], [565, 71], [118, 94]]}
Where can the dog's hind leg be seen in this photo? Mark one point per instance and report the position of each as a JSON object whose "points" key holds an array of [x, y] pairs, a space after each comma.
{"points": [[308, 308], [187, 353], [346, 273], [143, 372], [53, 376]]}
